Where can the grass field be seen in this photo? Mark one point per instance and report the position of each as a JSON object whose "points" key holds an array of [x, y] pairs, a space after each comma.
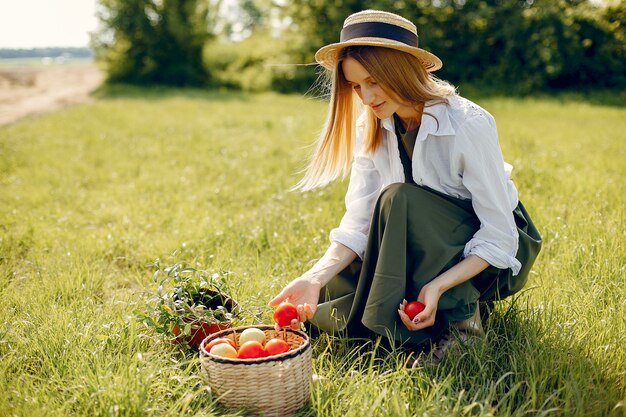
{"points": [[93, 193]]}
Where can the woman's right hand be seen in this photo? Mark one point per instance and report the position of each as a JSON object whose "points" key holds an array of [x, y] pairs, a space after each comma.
{"points": [[304, 293]]}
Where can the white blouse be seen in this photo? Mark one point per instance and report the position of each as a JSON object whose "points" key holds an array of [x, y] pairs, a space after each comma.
{"points": [[457, 153]]}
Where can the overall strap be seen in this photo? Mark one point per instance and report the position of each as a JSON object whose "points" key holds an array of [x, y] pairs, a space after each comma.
{"points": [[406, 144]]}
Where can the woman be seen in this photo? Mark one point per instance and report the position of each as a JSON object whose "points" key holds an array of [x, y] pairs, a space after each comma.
{"points": [[431, 212]]}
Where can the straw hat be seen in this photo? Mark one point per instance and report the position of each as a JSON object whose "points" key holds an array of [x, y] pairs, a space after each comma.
{"points": [[377, 28]]}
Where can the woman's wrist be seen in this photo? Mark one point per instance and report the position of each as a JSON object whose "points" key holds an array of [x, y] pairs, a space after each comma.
{"points": [[316, 278], [438, 285], [336, 258]]}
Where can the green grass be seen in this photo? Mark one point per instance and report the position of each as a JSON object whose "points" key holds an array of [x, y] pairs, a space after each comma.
{"points": [[93, 193]]}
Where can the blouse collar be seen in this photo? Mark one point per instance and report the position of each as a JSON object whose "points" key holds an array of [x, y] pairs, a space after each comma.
{"points": [[435, 121]]}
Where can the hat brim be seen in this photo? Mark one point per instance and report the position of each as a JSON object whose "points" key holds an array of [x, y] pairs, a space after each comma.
{"points": [[328, 55]]}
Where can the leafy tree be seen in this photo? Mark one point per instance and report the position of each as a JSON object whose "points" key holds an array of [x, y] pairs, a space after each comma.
{"points": [[153, 41], [520, 44]]}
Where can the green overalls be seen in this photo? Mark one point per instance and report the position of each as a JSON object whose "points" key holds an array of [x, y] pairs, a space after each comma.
{"points": [[416, 234]]}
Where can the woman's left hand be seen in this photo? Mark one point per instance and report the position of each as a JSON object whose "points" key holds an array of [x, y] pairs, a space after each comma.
{"points": [[429, 296]]}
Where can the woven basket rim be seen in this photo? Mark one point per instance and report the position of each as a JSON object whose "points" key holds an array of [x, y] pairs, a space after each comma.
{"points": [[238, 361]]}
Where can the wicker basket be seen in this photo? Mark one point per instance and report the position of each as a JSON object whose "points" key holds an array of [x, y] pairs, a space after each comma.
{"points": [[273, 386]]}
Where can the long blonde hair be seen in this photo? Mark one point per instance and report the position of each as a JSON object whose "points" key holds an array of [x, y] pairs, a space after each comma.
{"points": [[400, 75]]}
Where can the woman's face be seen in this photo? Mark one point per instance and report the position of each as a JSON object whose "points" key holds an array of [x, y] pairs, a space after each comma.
{"points": [[372, 94]]}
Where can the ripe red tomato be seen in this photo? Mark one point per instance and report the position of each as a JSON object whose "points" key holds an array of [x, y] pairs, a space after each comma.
{"points": [[276, 346], [284, 313], [413, 308], [217, 342], [251, 350]]}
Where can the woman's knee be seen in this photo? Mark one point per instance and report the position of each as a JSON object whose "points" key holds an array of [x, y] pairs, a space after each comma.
{"points": [[405, 193], [394, 192]]}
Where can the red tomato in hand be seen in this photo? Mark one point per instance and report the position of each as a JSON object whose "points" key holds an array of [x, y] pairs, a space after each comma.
{"points": [[217, 341], [276, 346], [284, 313], [413, 308], [251, 350]]}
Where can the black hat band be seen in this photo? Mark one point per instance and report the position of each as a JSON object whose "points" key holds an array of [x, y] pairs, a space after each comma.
{"points": [[379, 30]]}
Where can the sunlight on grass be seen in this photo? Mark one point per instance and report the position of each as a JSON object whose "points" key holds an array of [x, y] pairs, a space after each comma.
{"points": [[93, 193]]}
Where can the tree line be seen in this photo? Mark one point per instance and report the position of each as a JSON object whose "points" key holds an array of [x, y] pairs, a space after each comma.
{"points": [[522, 45], [52, 52]]}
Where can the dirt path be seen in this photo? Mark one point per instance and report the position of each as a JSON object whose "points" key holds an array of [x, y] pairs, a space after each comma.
{"points": [[27, 91]]}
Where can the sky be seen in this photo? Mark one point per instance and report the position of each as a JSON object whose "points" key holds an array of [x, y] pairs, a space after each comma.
{"points": [[41, 23]]}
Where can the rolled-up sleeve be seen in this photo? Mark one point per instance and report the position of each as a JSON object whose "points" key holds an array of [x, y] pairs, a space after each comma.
{"points": [[361, 197], [484, 176]]}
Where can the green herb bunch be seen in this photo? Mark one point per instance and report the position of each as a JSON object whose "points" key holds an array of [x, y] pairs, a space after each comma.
{"points": [[186, 298]]}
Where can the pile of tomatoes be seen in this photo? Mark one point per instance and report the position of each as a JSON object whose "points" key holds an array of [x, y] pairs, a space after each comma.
{"points": [[252, 341]]}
